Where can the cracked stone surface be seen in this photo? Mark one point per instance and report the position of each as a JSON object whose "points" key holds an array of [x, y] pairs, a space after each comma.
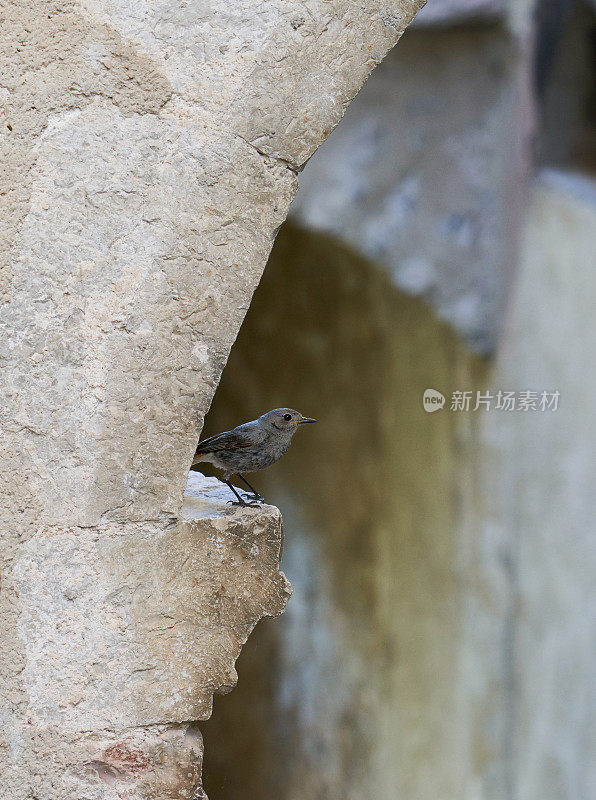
{"points": [[149, 153]]}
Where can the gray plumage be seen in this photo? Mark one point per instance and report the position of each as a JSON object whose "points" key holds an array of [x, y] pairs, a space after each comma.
{"points": [[252, 446]]}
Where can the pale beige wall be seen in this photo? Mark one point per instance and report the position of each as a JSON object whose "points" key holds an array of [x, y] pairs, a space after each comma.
{"points": [[149, 153], [540, 483]]}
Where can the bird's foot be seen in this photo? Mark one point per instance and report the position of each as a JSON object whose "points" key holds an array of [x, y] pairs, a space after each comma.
{"points": [[254, 496], [243, 504]]}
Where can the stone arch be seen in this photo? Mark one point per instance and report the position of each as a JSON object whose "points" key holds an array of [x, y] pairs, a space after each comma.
{"points": [[148, 161], [359, 687]]}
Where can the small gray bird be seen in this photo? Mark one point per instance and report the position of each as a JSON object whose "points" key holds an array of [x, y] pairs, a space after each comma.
{"points": [[251, 447]]}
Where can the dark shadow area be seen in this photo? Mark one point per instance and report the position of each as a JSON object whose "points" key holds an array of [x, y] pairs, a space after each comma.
{"points": [[566, 78], [354, 690]]}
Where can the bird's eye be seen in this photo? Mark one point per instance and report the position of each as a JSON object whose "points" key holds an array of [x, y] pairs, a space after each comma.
{"points": [[287, 417]]}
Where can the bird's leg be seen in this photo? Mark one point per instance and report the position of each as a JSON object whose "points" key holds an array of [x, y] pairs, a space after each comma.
{"points": [[255, 495], [240, 501]]}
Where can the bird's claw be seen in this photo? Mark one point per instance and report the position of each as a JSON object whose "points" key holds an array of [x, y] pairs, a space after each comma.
{"points": [[255, 496], [243, 504]]}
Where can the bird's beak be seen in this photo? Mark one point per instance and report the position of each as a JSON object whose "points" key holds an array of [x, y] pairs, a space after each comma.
{"points": [[306, 419]]}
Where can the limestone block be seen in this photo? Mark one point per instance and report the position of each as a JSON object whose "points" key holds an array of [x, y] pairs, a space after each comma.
{"points": [[139, 215], [138, 262], [279, 74], [137, 624]]}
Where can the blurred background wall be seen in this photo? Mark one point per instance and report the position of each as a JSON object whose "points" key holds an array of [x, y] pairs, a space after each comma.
{"points": [[441, 640]]}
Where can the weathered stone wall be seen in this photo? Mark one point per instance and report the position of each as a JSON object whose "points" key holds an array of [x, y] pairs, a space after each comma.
{"points": [[426, 176], [149, 153], [127, 630]]}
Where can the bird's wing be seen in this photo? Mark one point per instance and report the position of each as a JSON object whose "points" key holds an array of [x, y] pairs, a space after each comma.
{"points": [[236, 439]]}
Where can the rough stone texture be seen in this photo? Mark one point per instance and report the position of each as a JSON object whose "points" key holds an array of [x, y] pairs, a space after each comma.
{"points": [[139, 214], [128, 625], [148, 156], [426, 175], [160, 611], [139, 262]]}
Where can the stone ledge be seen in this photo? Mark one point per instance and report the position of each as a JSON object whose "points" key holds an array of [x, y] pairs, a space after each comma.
{"points": [[208, 497], [130, 624]]}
